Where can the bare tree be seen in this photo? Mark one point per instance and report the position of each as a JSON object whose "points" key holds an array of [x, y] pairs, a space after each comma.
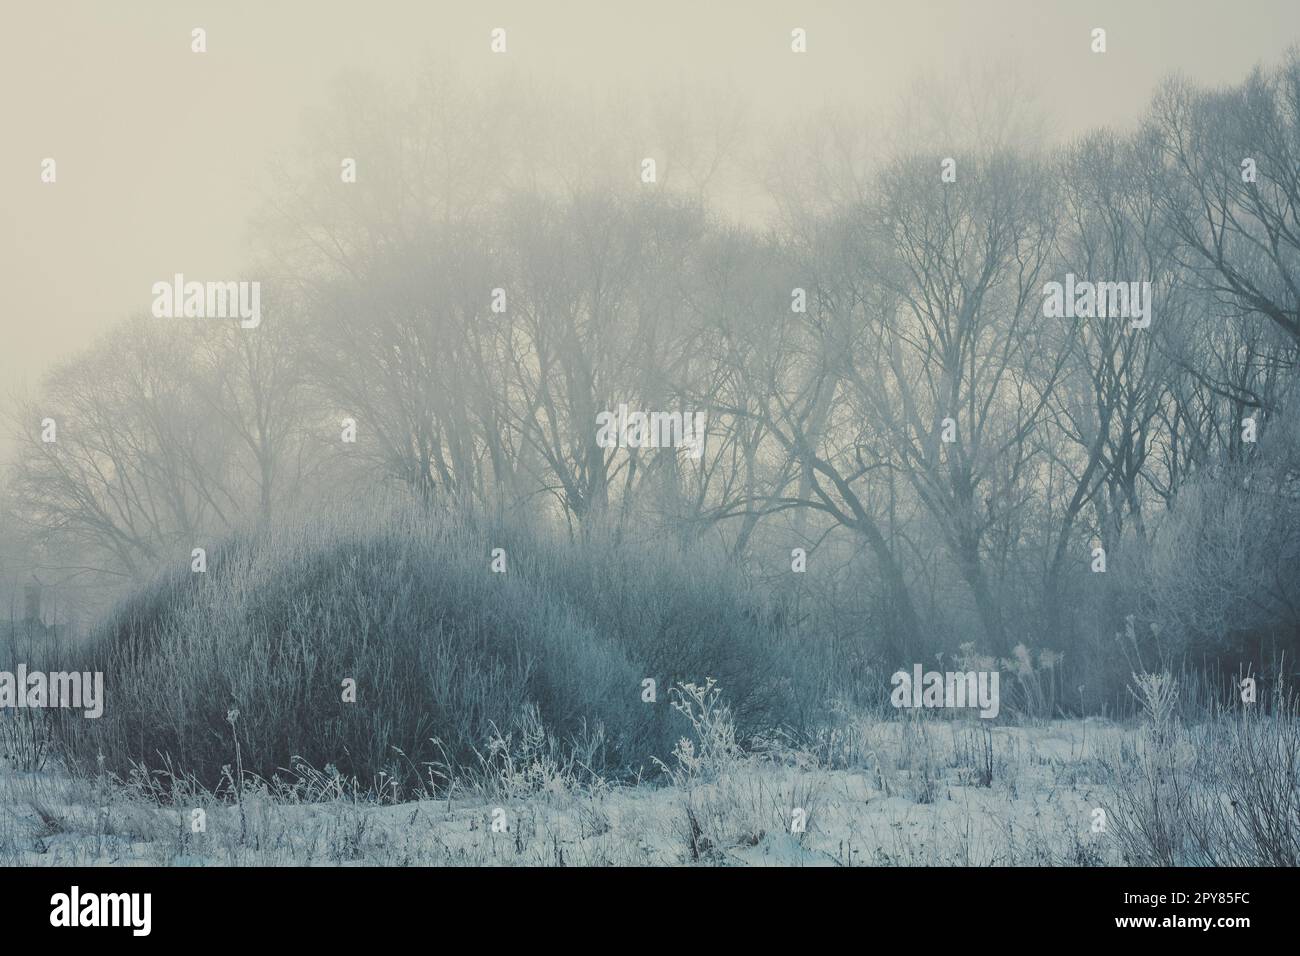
{"points": [[958, 370], [1232, 189]]}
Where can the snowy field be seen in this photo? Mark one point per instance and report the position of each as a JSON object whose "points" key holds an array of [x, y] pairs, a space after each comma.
{"points": [[885, 793]]}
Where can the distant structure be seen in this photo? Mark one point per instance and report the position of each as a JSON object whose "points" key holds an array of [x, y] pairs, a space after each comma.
{"points": [[31, 626], [32, 601]]}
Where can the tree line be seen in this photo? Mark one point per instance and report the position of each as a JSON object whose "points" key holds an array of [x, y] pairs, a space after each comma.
{"points": [[881, 386]]}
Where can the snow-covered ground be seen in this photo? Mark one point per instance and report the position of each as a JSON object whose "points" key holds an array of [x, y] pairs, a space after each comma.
{"points": [[895, 792]]}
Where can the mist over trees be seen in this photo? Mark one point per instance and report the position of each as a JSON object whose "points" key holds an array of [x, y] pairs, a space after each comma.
{"points": [[881, 387]]}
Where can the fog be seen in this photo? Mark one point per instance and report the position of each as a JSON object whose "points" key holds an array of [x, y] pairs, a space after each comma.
{"points": [[531, 410], [163, 155]]}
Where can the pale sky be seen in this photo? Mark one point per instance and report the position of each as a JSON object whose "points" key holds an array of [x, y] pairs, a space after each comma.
{"points": [[161, 152]]}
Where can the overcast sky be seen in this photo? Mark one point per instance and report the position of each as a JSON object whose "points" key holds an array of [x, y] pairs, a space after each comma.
{"points": [[161, 152]]}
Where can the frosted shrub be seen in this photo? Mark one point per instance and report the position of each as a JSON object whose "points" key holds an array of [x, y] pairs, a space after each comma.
{"points": [[1158, 695], [714, 728]]}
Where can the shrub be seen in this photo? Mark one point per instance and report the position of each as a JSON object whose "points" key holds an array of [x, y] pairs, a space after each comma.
{"points": [[446, 655], [1225, 792]]}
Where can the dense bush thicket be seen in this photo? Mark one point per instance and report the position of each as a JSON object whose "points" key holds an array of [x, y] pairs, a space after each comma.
{"points": [[446, 653]]}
